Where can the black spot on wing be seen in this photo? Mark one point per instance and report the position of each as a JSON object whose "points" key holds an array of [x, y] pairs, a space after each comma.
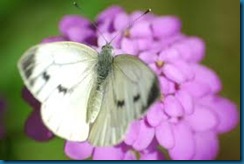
{"points": [[28, 61], [62, 89], [136, 98], [154, 93], [120, 103], [31, 82], [45, 76], [28, 72], [27, 65]]}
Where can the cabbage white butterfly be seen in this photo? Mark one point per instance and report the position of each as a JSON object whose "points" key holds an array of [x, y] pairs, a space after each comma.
{"points": [[87, 95]]}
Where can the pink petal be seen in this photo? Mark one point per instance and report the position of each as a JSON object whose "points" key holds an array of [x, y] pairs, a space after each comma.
{"points": [[191, 49], [35, 128], [184, 148], [184, 50], [197, 48], [123, 146], [196, 89], [108, 153], [136, 14], [202, 119], [148, 57], [144, 137], [121, 21], [165, 26], [106, 37], [173, 107], [101, 41], [155, 68], [78, 34], [164, 85], [208, 77], [129, 46], [29, 98], [169, 55], [78, 150], [173, 73], [106, 26], [164, 135], [110, 13], [226, 112], [156, 155], [72, 21], [167, 43], [153, 146], [186, 101], [167, 87], [140, 30], [132, 132], [155, 114], [207, 146], [129, 155], [145, 44], [185, 68]]}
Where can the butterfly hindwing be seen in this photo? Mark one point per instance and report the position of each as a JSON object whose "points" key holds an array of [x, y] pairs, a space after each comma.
{"points": [[61, 76], [65, 112], [130, 88]]}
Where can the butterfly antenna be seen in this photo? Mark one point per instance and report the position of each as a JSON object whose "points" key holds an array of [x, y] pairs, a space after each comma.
{"points": [[139, 17], [93, 24], [131, 23]]}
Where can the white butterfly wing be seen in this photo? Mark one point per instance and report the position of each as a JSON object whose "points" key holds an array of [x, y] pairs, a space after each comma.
{"points": [[130, 88], [61, 75], [44, 65], [65, 113]]}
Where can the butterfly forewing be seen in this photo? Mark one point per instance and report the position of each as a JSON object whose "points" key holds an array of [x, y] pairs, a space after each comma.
{"points": [[61, 75], [129, 90], [45, 66]]}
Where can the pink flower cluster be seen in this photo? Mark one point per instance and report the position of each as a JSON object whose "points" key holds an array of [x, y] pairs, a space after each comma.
{"points": [[191, 113]]}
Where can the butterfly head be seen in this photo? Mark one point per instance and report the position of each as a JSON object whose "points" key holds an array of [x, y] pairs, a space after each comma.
{"points": [[107, 48]]}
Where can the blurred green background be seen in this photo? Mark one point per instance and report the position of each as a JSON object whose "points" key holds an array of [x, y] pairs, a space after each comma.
{"points": [[26, 22]]}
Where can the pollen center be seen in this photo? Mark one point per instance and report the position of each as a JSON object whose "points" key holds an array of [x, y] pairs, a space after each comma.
{"points": [[159, 63], [127, 33]]}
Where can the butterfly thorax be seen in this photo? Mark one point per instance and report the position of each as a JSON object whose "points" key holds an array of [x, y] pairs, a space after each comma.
{"points": [[104, 65]]}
